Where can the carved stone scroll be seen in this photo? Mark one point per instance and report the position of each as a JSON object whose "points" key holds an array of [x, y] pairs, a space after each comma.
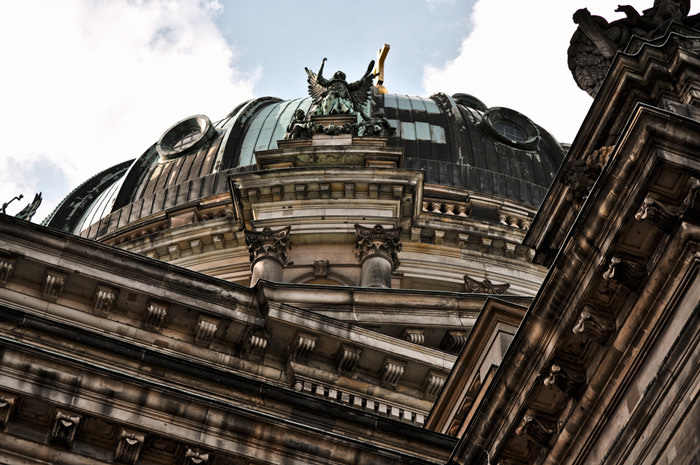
{"points": [[392, 371], [7, 404], [104, 299], [568, 380], [155, 316], [65, 427], [538, 429], [205, 329], [597, 328], [54, 284], [129, 446], [195, 457], [304, 345], [347, 358], [7, 266]]}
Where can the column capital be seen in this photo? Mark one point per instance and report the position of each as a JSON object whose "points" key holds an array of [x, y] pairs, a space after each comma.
{"points": [[377, 241]]}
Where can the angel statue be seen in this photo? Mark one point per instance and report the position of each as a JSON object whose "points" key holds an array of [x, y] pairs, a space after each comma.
{"points": [[336, 96]]}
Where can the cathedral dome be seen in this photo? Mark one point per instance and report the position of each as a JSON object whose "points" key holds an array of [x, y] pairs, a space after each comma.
{"points": [[455, 140]]}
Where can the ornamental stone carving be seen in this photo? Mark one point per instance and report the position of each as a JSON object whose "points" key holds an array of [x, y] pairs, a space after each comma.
{"points": [[155, 316], [596, 328], [7, 266], [54, 283], [484, 287], [268, 244], [104, 299], [129, 446], [580, 175], [568, 380], [65, 427], [539, 429], [7, 404], [377, 241], [195, 457]]}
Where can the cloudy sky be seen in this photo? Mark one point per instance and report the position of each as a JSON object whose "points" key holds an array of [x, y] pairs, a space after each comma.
{"points": [[86, 84]]}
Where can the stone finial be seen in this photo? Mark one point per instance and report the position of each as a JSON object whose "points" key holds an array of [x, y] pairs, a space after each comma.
{"points": [[268, 243], [129, 446], [377, 241], [65, 427]]}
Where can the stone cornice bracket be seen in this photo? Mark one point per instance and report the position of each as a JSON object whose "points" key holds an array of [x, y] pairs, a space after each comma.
{"points": [[433, 383], [155, 316], [7, 266], [195, 457], [665, 215], [625, 271], [536, 428], [304, 344], [7, 404], [54, 284], [569, 381], [484, 287], [65, 427], [579, 175], [255, 342], [268, 243], [596, 328], [104, 299], [347, 358], [129, 446], [377, 241], [205, 330], [392, 371]]}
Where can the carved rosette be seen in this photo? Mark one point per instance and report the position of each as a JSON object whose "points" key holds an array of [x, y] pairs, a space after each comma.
{"points": [[268, 243], [377, 241]]}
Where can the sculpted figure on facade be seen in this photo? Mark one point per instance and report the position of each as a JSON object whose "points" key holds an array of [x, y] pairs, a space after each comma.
{"points": [[298, 127], [376, 126], [595, 42], [336, 95]]}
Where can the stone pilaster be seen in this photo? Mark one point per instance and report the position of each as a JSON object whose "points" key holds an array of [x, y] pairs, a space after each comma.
{"points": [[268, 253], [377, 248]]}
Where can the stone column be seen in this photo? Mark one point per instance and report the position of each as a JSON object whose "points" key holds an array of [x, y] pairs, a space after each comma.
{"points": [[377, 248], [268, 253]]}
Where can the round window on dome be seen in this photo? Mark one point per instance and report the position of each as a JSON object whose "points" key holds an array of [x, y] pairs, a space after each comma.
{"points": [[185, 135], [511, 127]]}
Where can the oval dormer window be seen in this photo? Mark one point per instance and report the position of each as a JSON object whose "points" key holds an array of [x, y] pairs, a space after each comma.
{"points": [[511, 127], [184, 136]]}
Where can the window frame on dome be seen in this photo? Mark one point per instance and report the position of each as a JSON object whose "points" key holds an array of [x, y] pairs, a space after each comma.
{"points": [[496, 117]]}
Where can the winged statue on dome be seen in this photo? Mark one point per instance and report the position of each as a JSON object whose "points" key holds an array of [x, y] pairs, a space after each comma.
{"points": [[337, 96]]}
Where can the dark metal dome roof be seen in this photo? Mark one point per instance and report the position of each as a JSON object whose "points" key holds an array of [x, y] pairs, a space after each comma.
{"points": [[456, 140]]}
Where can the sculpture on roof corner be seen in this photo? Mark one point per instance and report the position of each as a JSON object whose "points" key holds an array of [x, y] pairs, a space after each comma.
{"points": [[337, 96], [595, 43], [27, 212]]}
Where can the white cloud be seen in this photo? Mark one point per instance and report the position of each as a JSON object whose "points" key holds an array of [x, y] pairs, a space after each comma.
{"points": [[87, 84], [516, 57]]}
